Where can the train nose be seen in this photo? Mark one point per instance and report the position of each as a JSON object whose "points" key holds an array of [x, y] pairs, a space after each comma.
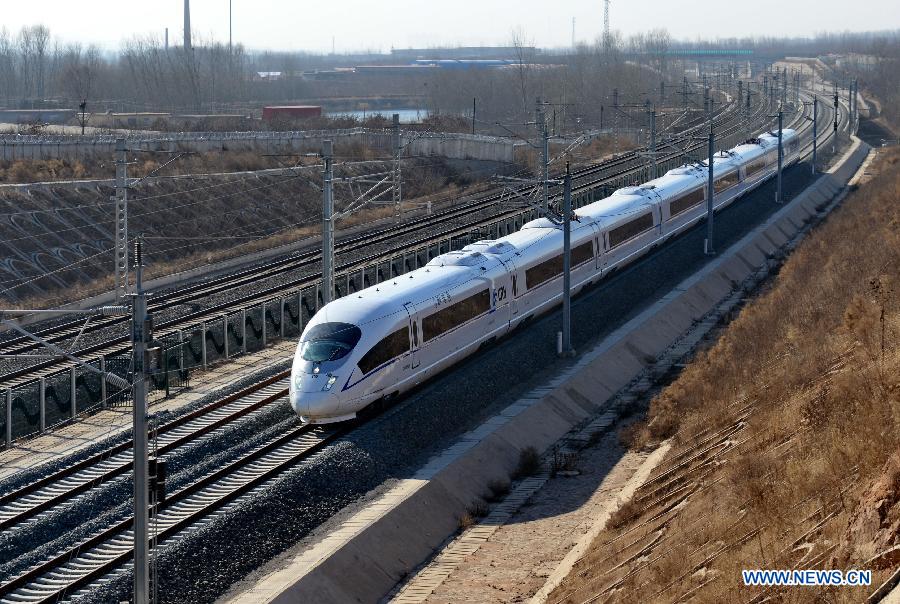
{"points": [[315, 397]]}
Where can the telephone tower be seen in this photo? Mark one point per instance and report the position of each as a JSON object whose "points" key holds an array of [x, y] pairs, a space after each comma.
{"points": [[606, 40]]}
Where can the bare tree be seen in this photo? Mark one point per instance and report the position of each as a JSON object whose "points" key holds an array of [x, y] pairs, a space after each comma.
{"points": [[524, 63]]}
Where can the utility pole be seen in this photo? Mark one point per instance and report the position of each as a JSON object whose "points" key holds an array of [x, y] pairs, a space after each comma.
{"points": [[397, 148], [566, 349], [473, 115], [662, 92], [778, 196], [120, 200], [328, 223], [83, 107], [140, 333], [708, 248]]}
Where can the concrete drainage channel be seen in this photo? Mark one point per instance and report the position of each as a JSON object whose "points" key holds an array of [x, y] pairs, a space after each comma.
{"points": [[371, 552]]}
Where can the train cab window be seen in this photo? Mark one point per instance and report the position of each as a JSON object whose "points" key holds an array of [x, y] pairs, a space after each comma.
{"points": [[629, 230], [455, 315], [548, 269], [726, 181], [329, 341], [389, 348], [685, 202]]}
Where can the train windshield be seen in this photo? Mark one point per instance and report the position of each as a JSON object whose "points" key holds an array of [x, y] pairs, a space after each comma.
{"points": [[329, 341]]}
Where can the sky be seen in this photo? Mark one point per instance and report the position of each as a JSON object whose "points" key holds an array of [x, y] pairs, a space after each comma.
{"points": [[369, 25]]}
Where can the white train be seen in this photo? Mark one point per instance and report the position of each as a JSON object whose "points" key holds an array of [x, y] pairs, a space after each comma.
{"points": [[388, 338]]}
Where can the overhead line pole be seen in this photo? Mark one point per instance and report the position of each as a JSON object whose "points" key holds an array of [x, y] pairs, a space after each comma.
{"points": [[120, 200], [708, 248], [778, 195], [541, 122], [815, 121], [397, 148], [566, 348], [140, 333], [328, 223], [836, 107]]}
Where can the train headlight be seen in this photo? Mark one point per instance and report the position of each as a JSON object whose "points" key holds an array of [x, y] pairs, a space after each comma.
{"points": [[331, 380], [298, 381]]}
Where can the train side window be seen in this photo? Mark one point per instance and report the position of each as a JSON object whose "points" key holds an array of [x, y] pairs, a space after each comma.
{"points": [[631, 229], [548, 269], [389, 348], [685, 202], [582, 253], [415, 333], [755, 166], [455, 315], [726, 181]]}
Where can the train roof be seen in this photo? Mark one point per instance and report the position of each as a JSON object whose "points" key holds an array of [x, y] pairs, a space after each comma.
{"points": [[442, 273], [453, 269]]}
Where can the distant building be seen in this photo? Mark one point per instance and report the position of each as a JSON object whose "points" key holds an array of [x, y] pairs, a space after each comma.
{"points": [[393, 70], [36, 116], [269, 76], [464, 52], [291, 112], [126, 120], [463, 64]]}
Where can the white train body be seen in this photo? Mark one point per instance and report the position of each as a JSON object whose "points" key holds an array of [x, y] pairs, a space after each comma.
{"points": [[388, 338]]}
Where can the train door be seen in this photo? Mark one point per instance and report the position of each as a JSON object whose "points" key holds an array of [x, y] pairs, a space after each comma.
{"points": [[508, 292], [414, 335]]}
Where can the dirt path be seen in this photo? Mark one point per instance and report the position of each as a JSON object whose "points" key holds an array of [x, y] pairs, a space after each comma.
{"points": [[515, 562]]}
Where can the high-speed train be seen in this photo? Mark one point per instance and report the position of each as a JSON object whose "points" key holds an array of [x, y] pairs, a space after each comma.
{"points": [[388, 338]]}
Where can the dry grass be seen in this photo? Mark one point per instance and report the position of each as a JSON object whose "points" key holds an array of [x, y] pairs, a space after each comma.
{"points": [[782, 430], [529, 463], [240, 214]]}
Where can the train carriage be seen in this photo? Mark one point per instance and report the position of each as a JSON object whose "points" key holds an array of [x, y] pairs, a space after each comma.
{"points": [[390, 337]]}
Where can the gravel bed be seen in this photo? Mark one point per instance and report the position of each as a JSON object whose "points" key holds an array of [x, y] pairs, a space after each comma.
{"points": [[202, 565]]}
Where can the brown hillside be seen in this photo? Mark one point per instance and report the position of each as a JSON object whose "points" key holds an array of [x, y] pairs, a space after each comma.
{"points": [[785, 434]]}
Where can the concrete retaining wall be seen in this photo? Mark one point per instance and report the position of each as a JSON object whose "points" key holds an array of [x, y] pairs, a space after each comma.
{"points": [[376, 548], [451, 145]]}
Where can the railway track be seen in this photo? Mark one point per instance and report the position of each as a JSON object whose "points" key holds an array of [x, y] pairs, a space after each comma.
{"points": [[76, 568], [73, 568], [61, 486], [593, 176]]}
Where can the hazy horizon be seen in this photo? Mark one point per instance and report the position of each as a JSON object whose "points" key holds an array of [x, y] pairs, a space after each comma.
{"points": [[286, 25]]}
